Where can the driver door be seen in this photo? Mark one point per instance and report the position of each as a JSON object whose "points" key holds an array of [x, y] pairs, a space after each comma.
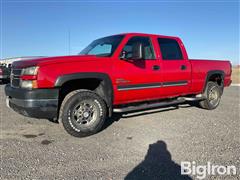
{"points": [[137, 72]]}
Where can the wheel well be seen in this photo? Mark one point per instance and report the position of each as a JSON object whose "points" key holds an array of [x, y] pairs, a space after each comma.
{"points": [[218, 78], [215, 76], [93, 84]]}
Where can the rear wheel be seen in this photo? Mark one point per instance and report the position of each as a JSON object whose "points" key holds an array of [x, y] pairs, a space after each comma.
{"points": [[82, 113], [213, 96]]}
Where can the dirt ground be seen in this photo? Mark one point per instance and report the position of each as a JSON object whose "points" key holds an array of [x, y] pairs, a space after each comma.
{"points": [[144, 145], [236, 75]]}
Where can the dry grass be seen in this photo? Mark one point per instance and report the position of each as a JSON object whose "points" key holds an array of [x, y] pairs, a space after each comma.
{"points": [[236, 75]]}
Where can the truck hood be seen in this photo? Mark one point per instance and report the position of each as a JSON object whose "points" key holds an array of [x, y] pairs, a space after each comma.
{"points": [[51, 60]]}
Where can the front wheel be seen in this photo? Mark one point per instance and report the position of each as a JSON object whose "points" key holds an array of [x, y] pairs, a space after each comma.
{"points": [[82, 113], [213, 96]]}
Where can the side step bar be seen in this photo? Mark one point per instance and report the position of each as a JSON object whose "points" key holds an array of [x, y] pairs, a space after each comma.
{"points": [[196, 98], [157, 104]]}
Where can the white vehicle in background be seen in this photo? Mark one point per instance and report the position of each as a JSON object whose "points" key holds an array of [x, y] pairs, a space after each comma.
{"points": [[8, 61], [6, 64]]}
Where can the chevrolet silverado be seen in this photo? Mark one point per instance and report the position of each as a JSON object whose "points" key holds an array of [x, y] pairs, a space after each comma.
{"points": [[119, 73]]}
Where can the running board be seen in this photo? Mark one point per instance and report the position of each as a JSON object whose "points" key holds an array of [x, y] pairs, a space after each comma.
{"points": [[147, 106], [196, 98], [158, 104]]}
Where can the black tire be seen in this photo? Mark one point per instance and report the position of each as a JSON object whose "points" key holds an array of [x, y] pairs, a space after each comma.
{"points": [[82, 113], [213, 94]]}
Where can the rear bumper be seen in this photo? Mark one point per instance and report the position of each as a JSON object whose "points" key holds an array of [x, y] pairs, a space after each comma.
{"points": [[230, 82], [37, 103]]}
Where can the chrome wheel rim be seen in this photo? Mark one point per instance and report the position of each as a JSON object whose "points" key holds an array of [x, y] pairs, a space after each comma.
{"points": [[214, 96], [84, 113]]}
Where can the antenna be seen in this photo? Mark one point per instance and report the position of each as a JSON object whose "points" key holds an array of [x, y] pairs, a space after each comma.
{"points": [[69, 41]]}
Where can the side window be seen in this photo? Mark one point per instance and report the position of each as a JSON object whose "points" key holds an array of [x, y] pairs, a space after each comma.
{"points": [[147, 49], [170, 49]]}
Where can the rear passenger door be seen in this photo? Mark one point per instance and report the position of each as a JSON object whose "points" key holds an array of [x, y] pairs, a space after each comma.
{"points": [[175, 70]]}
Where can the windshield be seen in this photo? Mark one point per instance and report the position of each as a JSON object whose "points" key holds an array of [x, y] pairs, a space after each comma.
{"points": [[103, 47]]}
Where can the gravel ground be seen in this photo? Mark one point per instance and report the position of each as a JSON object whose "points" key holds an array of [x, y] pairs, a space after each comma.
{"points": [[143, 145]]}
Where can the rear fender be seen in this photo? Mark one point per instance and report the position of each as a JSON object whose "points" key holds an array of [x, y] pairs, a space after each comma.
{"points": [[213, 72]]}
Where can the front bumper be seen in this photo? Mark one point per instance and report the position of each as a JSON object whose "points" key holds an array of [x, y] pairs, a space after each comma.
{"points": [[37, 103]]}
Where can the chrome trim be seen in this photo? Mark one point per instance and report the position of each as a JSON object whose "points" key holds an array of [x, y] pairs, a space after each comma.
{"points": [[152, 85], [136, 88], [177, 84], [16, 77]]}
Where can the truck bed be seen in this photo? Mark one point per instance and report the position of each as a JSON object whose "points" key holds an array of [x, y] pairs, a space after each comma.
{"points": [[200, 68]]}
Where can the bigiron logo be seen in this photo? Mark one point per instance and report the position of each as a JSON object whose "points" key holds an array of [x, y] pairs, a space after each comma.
{"points": [[202, 171]]}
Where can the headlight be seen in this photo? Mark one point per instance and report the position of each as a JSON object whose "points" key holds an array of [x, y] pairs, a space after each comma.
{"points": [[30, 70], [28, 84], [28, 77]]}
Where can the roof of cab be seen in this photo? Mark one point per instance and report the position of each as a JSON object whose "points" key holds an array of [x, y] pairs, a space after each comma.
{"points": [[146, 34]]}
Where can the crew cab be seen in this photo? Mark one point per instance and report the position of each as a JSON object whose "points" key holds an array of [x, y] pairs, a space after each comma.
{"points": [[119, 73]]}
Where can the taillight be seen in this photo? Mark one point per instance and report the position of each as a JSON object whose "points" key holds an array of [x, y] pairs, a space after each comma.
{"points": [[1, 72], [230, 68]]}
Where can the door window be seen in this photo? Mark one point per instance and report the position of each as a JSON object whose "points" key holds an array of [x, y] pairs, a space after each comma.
{"points": [[147, 49], [170, 49]]}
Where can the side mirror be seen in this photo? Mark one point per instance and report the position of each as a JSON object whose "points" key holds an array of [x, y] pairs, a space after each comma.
{"points": [[137, 51], [135, 54], [123, 55]]}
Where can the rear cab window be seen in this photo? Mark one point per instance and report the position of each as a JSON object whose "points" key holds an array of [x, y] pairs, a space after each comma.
{"points": [[170, 49]]}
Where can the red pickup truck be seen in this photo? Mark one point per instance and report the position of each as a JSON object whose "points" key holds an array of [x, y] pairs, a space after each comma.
{"points": [[119, 73]]}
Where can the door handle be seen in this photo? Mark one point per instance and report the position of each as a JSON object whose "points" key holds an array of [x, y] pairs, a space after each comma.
{"points": [[183, 67], [156, 67]]}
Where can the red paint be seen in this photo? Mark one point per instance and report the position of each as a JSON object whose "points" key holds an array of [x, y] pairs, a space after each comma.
{"points": [[140, 73], [28, 77]]}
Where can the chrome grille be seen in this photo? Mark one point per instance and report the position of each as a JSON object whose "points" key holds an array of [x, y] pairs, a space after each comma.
{"points": [[15, 77], [17, 71]]}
